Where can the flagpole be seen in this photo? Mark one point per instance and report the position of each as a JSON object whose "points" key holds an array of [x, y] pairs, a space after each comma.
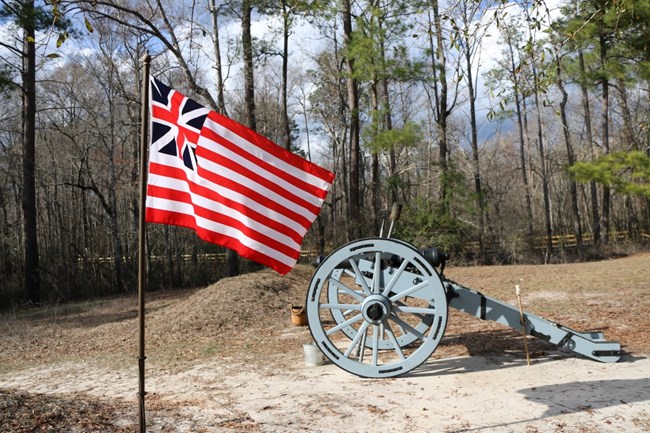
{"points": [[144, 137]]}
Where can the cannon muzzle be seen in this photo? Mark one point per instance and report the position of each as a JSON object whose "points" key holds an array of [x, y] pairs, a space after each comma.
{"points": [[434, 256]]}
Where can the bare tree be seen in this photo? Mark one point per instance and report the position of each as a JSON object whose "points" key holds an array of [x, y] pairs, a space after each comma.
{"points": [[30, 18], [156, 19], [575, 210], [214, 13], [355, 126], [532, 47], [32, 268], [443, 100], [474, 29], [522, 121]]}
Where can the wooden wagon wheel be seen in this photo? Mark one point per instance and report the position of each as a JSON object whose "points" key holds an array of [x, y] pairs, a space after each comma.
{"points": [[376, 307]]}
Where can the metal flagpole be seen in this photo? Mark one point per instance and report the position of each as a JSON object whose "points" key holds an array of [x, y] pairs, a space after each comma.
{"points": [[144, 138]]}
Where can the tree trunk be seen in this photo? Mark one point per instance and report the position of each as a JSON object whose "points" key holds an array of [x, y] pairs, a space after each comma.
{"points": [[605, 135], [286, 125], [629, 141], [575, 210], [523, 136], [32, 268], [249, 81], [340, 151], [115, 225], [442, 111], [221, 103], [232, 266], [355, 146], [393, 176], [375, 181], [5, 249], [542, 157], [595, 213], [476, 168]]}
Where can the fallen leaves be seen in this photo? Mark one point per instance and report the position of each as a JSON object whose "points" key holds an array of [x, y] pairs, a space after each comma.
{"points": [[21, 412]]}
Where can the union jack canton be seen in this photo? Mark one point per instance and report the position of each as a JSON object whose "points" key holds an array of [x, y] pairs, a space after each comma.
{"points": [[176, 123]]}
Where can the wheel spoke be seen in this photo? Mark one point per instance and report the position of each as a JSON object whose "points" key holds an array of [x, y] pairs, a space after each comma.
{"points": [[376, 276], [408, 327], [359, 276], [393, 339], [348, 322], [346, 289], [395, 278], [409, 291], [362, 346], [401, 304], [360, 333], [375, 345], [414, 310], [348, 307]]}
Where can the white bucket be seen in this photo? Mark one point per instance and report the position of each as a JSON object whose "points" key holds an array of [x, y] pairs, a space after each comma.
{"points": [[313, 355]]}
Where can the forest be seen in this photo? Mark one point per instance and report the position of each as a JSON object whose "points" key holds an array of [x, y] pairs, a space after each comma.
{"points": [[510, 132]]}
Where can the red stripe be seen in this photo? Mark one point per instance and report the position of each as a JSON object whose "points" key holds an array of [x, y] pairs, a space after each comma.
{"points": [[219, 218], [214, 195], [251, 196], [288, 177], [178, 219], [254, 196], [269, 146], [246, 172]]}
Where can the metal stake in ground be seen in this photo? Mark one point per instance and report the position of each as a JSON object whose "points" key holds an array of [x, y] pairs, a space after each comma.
{"points": [[522, 319]]}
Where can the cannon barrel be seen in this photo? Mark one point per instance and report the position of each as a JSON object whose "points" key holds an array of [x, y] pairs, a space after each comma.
{"points": [[434, 256]]}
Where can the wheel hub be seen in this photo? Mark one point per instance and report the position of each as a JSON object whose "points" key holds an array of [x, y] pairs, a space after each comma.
{"points": [[376, 309]]}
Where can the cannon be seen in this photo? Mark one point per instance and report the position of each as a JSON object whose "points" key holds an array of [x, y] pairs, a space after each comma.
{"points": [[378, 307]]}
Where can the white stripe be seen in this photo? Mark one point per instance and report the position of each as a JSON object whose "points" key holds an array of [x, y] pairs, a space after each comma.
{"points": [[228, 193], [176, 162], [251, 165], [220, 229], [265, 156], [257, 187], [220, 208]]}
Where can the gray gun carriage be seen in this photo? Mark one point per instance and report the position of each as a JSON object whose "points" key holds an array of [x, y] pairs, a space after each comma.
{"points": [[378, 307]]}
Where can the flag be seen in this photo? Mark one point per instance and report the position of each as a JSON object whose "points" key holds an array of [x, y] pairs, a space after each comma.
{"points": [[232, 186]]}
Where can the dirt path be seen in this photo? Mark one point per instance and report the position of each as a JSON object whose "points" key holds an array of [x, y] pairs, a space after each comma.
{"points": [[226, 359], [460, 394]]}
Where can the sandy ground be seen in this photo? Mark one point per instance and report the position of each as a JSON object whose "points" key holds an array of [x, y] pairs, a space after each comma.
{"points": [[217, 362], [460, 394]]}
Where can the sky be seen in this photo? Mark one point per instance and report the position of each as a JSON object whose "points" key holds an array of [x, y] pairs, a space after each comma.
{"points": [[305, 41]]}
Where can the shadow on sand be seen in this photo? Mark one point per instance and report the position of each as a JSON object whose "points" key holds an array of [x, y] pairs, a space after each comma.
{"points": [[559, 399]]}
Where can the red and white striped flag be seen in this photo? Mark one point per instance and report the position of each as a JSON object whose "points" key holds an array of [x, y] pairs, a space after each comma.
{"points": [[232, 186]]}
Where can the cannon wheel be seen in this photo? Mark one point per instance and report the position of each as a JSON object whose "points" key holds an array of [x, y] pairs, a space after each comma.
{"points": [[336, 296], [405, 300]]}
